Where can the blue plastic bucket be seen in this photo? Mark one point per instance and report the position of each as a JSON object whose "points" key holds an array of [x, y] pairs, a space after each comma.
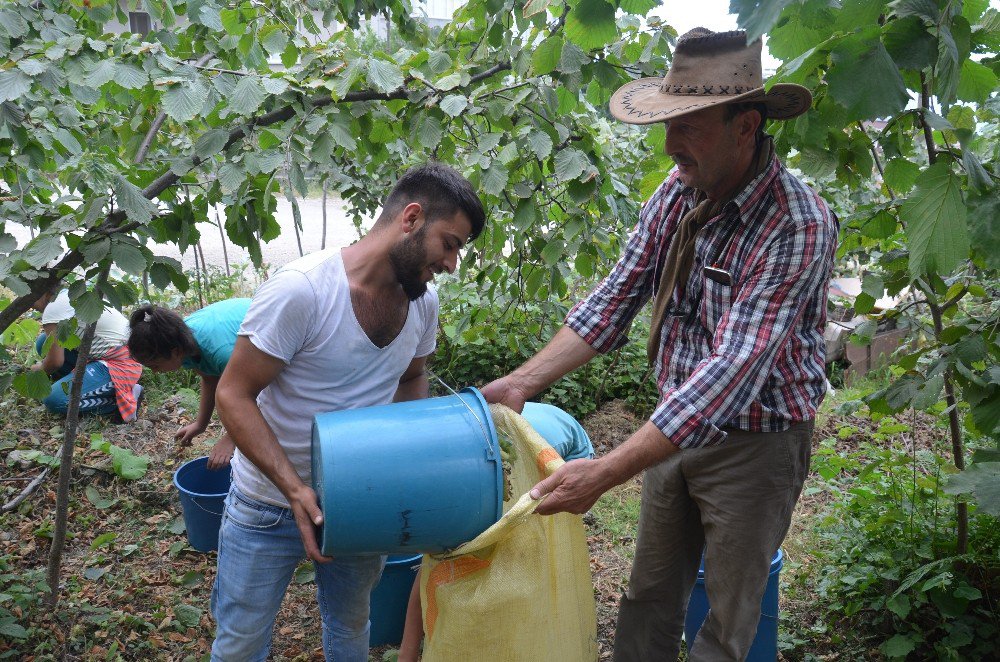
{"points": [[390, 598], [420, 476], [203, 493], [765, 642]]}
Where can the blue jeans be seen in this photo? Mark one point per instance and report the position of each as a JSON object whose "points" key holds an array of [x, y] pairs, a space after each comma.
{"points": [[259, 549], [97, 395]]}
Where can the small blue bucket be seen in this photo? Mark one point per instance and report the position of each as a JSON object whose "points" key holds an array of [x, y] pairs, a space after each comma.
{"points": [[765, 642], [420, 476], [390, 598], [203, 494]]}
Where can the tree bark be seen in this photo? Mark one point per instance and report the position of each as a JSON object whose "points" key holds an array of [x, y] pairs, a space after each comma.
{"points": [[954, 429], [16, 501], [322, 244], [66, 457], [222, 237]]}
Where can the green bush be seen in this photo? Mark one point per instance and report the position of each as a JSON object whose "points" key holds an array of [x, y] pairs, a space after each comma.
{"points": [[480, 341], [885, 551]]}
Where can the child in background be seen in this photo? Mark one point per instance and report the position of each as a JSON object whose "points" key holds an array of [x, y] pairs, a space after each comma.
{"points": [[203, 342], [568, 438], [110, 378]]}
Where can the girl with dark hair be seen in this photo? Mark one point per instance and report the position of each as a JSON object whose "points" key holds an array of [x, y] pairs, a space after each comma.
{"points": [[203, 342]]}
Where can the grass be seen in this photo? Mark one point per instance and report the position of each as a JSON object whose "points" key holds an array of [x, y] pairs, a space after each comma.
{"points": [[616, 516]]}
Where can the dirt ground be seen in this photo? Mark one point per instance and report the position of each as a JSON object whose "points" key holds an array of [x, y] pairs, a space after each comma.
{"points": [[135, 594], [148, 576]]}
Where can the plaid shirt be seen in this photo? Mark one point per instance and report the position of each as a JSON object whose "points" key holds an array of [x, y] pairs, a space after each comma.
{"points": [[749, 355]]}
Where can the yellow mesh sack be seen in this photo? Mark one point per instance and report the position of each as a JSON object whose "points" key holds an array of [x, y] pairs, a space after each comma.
{"points": [[522, 590]]}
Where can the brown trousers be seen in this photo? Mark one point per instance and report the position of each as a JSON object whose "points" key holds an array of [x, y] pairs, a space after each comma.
{"points": [[734, 502]]}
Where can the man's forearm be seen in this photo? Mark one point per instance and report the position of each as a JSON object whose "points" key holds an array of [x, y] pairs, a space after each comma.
{"points": [[54, 359], [646, 447], [566, 352], [256, 440]]}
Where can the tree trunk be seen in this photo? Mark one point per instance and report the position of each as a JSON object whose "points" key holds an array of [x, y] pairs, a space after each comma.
{"points": [[204, 267], [322, 243], [222, 236], [66, 457], [197, 276], [954, 424]]}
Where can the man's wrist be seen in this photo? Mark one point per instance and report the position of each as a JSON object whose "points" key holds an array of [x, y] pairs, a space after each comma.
{"points": [[298, 492]]}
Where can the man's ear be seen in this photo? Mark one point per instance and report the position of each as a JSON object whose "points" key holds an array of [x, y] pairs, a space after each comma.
{"points": [[750, 121], [411, 217]]}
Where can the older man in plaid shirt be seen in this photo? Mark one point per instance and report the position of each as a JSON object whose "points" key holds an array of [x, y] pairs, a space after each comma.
{"points": [[736, 253]]}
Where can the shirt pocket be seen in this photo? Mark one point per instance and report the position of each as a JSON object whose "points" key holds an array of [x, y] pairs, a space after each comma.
{"points": [[716, 301]]}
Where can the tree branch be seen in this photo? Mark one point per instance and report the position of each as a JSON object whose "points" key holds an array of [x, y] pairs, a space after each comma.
{"points": [[924, 107], [154, 128], [878, 162], [16, 501], [113, 223]]}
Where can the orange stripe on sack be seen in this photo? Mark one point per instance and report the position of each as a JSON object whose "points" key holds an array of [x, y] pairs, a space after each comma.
{"points": [[543, 458], [445, 573]]}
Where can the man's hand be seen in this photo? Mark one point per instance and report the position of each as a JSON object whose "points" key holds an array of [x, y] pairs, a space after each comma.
{"points": [[574, 487], [221, 453], [577, 485], [308, 517], [503, 391], [187, 433]]}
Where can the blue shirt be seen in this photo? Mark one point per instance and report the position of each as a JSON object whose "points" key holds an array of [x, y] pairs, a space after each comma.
{"points": [[215, 328], [563, 432]]}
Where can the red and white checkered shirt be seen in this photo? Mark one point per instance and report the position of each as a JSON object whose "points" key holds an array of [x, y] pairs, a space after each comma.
{"points": [[749, 355]]}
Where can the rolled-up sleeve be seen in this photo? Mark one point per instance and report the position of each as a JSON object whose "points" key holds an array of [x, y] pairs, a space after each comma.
{"points": [[764, 312], [604, 317]]}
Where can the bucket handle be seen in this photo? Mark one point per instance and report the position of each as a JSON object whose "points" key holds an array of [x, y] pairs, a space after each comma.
{"points": [[486, 435], [210, 512]]}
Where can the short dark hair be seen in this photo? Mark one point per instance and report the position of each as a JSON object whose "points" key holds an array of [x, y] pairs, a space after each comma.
{"points": [[441, 190], [156, 332], [734, 109]]}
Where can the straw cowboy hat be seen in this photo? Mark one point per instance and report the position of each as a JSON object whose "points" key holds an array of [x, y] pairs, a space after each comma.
{"points": [[708, 69]]}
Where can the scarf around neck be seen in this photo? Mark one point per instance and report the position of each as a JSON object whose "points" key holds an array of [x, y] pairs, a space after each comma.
{"points": [[680, 255]]}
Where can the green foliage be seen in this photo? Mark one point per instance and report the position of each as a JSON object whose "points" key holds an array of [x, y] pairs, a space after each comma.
{"points": [[916, 192], [982, 481], [19, 592], [886, 563], [480, 341], [529, 131], [124, 462]]}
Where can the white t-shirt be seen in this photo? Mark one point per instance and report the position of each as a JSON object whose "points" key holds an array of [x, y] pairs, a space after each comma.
{"points": [[303, 316], [112, 327]]}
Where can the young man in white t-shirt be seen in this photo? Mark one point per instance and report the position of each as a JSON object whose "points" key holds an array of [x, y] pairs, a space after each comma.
{"points": [[337, 329]]}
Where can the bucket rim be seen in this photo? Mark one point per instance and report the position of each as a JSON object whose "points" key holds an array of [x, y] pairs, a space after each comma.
{"points": [[404, 559], [776, 563], [493, 441], [192, 464]]}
